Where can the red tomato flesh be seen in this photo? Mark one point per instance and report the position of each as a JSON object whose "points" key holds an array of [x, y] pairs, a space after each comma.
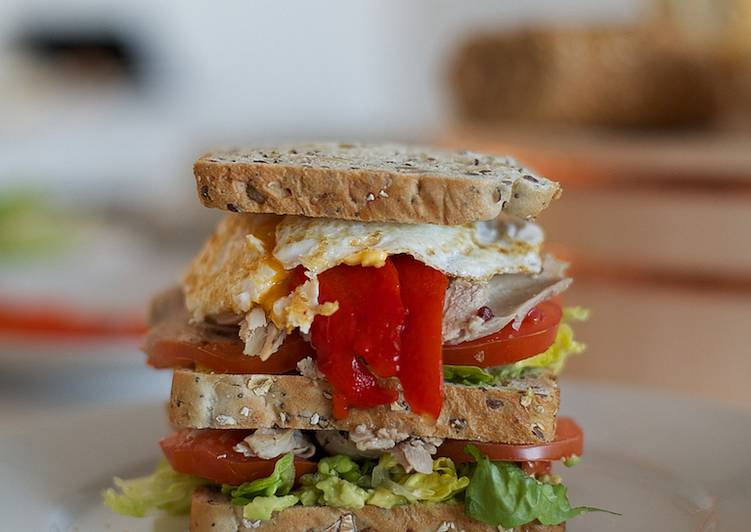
{"points": [[568, 441], [536, 334], [209, 454], [226, 357], [536, 468]]}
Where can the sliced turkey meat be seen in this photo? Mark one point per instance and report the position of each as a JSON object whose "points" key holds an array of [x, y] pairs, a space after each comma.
{"points": [[475, 309], [416, 454], [270, 443], [412, 453]]}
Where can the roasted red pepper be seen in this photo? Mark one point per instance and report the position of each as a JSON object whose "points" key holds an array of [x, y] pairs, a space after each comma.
{"points": [[423, 290], [366, 328], [371, 336]]}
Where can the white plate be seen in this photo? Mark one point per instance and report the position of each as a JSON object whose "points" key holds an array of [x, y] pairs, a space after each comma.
{"points": [[666, 463]]}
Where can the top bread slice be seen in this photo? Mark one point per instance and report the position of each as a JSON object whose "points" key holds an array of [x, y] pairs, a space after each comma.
{"points": [[371, 182]]}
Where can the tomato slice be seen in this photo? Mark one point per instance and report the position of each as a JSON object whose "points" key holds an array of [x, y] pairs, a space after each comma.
{"points": [[568, 441], [536, 334], [209, 454], [536, 468], [225, 357]]}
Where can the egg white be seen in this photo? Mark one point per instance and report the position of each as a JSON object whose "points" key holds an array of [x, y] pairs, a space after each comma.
{"points": [[476, 251]]}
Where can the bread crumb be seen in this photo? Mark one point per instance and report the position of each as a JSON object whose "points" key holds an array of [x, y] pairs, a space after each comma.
{"points": [[225, 420], [345, 523], [398, 406], [526, 399], [260, 384]]}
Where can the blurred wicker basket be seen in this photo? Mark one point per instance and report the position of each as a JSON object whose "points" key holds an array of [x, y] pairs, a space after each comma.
{"points": [[611, 76]]}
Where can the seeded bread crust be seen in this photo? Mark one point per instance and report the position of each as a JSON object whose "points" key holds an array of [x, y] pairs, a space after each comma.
{"points": [[211, 512], [507, 414], [379, 182]]}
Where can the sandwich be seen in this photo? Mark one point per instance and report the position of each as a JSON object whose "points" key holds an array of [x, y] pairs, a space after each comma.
{"points": [[370, 340]]}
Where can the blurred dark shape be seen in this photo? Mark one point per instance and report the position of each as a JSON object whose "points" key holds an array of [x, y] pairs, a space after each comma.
{"points": [[83, 54], [619, 77]]}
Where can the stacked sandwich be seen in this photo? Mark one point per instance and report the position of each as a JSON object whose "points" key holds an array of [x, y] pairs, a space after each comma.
{"points": [[369, 341]]}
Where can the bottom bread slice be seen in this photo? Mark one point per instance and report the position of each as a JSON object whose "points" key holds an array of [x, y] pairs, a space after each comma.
{"points": [[212, 512]]}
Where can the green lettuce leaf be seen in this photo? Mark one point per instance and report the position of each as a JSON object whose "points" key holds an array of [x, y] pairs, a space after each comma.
{"points": [[467, 375], [576, 313], [386, 468], [280, 482], [308, 495], [340, 466], [474, 376], [339, 482], [556, 355], [501, 494], [341, 493], [440, 485], [504, 374], [383, 497], [165, 489], [262, 507]]}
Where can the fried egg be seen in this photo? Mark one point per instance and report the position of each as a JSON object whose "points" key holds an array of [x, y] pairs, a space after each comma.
{"points": [[246, 263], [476, 251]]}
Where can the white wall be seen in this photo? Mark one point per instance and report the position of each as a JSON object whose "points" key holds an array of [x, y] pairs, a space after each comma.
{"points": [[246, 71]]}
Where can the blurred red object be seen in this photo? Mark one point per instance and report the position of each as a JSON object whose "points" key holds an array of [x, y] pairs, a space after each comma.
{"points": [[39, 321]]}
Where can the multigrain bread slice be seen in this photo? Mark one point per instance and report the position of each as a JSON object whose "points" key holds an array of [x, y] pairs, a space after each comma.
{"points": [[211, 511], [520, 412], [378, 182]]}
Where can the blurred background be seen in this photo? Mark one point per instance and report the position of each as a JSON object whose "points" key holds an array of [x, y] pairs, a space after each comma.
{"points": [[642, 109]]}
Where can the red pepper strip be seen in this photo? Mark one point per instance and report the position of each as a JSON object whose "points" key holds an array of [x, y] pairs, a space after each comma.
{"points": [[423, 290], [368, 324]]}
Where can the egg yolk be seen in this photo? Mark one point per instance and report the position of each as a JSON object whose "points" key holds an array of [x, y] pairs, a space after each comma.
{"points": [[264, 229]]}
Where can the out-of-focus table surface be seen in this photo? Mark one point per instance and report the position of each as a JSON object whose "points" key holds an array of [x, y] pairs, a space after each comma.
{"points": [[29, 398]]}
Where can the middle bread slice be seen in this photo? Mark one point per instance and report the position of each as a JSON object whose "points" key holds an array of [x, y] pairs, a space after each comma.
{"points": [[522, 411]]}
